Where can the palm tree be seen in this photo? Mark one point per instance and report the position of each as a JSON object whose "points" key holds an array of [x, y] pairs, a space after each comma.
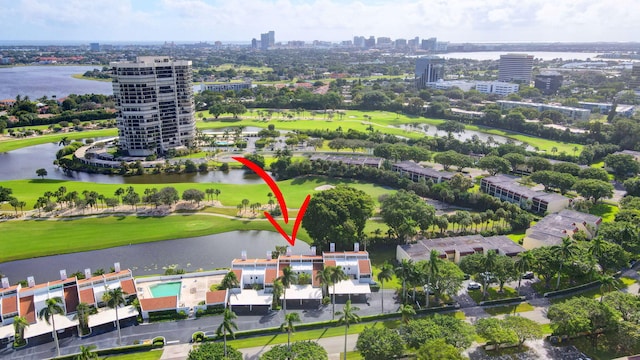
{"points": [[336, 274], [404, 271], [523, 263], [606, 281], [229, 281], [385, 274], [323, 277], [227, 325], [564, 251], [278, 289], [348, 316], [288, 278], [407, 312], [86, 353], [114, 298], [288, 326], [488, 263], [82, 316], [19, 324], [432, 271], [52, 306]]}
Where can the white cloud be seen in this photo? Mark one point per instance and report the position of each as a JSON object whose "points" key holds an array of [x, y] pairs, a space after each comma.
{"points": [[453, 20]]}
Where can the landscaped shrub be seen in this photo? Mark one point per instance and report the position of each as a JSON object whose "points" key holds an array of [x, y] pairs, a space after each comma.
{"points": [[307, 350], [197, 336], [213, 351], [326, 300]]}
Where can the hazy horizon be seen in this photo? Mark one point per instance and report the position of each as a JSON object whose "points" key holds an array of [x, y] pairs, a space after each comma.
{"points": [[141, 21]]}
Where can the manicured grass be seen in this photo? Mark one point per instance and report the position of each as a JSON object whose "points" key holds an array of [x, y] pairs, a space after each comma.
{"points": [[378, 257], [352, 355], [493, 294], [68, 236], [606, 211], [540, 143], [517, 237], [594, 292], [308, 335], [294, 190], [147, 355], [509, 309], [13, 144]]}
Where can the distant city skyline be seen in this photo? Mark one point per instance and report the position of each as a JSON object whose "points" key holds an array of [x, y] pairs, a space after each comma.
{"points": [[325, 20]]}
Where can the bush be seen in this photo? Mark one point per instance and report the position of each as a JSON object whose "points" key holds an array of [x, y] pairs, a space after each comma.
{"points": [[300, 350], [326, 300], [213, 351], [197, 336]]}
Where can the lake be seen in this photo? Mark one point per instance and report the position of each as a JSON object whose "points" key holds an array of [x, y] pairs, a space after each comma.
{"points": [[38, 81], [204, 252]]}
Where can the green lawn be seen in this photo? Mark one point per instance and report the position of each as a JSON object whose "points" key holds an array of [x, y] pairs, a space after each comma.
{"points": [[509, 309], [294, 190], [352, 355], [308, 335], [147, 355], [493, 294], [606, 211], [68, 236], [541, 143], [13, 144]]}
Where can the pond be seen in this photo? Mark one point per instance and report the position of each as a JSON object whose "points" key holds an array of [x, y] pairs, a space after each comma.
{"points": [[205, 252], [23, 163], [432, 130]]}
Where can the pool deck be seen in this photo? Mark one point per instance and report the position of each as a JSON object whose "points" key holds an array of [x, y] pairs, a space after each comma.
{"points": [[193, 290]]}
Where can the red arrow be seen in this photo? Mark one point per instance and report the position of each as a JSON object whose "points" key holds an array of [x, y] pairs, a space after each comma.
{"points": [[283, 205]]}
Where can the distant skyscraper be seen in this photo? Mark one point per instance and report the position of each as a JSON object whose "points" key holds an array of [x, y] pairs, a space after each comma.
{"points": [[635, 76], [268, 40], [254, 43], [548, 83], [95, 47], [428, 69], [154, 104], [358, 41], [429, 44], [515, 67], [370, 42]]}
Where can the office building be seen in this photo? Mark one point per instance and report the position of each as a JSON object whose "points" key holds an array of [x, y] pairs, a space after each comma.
{"points": [[94, 47], [548, 83], [515, 67], [370, 42], [428, 69], [154, 104], [429, 44], [496, 87]]}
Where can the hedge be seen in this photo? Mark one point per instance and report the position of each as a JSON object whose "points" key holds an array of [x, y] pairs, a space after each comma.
{"points": [[572, 289], [502, 301]]}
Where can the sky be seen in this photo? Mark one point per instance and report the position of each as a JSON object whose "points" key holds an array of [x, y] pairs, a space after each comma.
{"points": [[327, 20]]}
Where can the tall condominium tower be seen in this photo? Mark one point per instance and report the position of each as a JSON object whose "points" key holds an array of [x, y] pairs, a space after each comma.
{"points": [[154, 103], [428, 69], [635, 76], [515, 67]]}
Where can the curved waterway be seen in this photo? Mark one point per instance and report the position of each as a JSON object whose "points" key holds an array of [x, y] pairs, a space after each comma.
{"points": [[204, 252], [23, 163]]}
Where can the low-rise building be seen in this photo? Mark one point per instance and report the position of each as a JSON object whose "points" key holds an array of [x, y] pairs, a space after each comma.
{"points": [[554, 227], [497, 87], [572, 113], [226, 86], [506, 188], [415, 172], [455, 248], [605, 108], [367, 161]]}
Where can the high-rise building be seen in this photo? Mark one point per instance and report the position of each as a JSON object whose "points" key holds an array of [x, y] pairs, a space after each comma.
{"points": [[548, 83], [429, 44], [515, 67], [268, 40], [154, 104], [94, 47], [428, 69], [370, 42], [358, 41], [635, 76]]}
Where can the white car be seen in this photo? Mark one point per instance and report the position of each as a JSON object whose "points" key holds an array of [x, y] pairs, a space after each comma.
{"points": [[473, 286]]}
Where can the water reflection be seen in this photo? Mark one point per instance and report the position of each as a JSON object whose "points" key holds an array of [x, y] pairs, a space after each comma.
{"points": [[205, 252]]}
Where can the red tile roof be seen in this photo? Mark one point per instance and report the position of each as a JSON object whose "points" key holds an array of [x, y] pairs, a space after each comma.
{"points": [[87, 296], [159, 303], [270, 276], [71, 298], [216, 297], [9, 305], [364, 266], [28, 309], [128, 287], [329, 263], [238, 273]]}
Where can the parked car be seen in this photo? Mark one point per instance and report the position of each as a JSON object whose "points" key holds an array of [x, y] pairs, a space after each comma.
{"points": [[528, 275], [473, 286]]}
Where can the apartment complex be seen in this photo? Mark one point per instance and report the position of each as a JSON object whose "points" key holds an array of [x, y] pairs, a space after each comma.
{"points": [[515, 67], [457, 247], [572, 113], [225, 86], [267, 40], [428, 69], [27, 301], [154, 103], [505, 188], [554, 227], [415, 172]]}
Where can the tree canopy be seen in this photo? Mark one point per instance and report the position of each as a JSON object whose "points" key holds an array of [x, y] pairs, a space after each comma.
{"points": [[404, 211]]}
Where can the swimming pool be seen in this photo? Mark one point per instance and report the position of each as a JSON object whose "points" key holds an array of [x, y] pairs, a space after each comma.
{"points": [[166, 289]]}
